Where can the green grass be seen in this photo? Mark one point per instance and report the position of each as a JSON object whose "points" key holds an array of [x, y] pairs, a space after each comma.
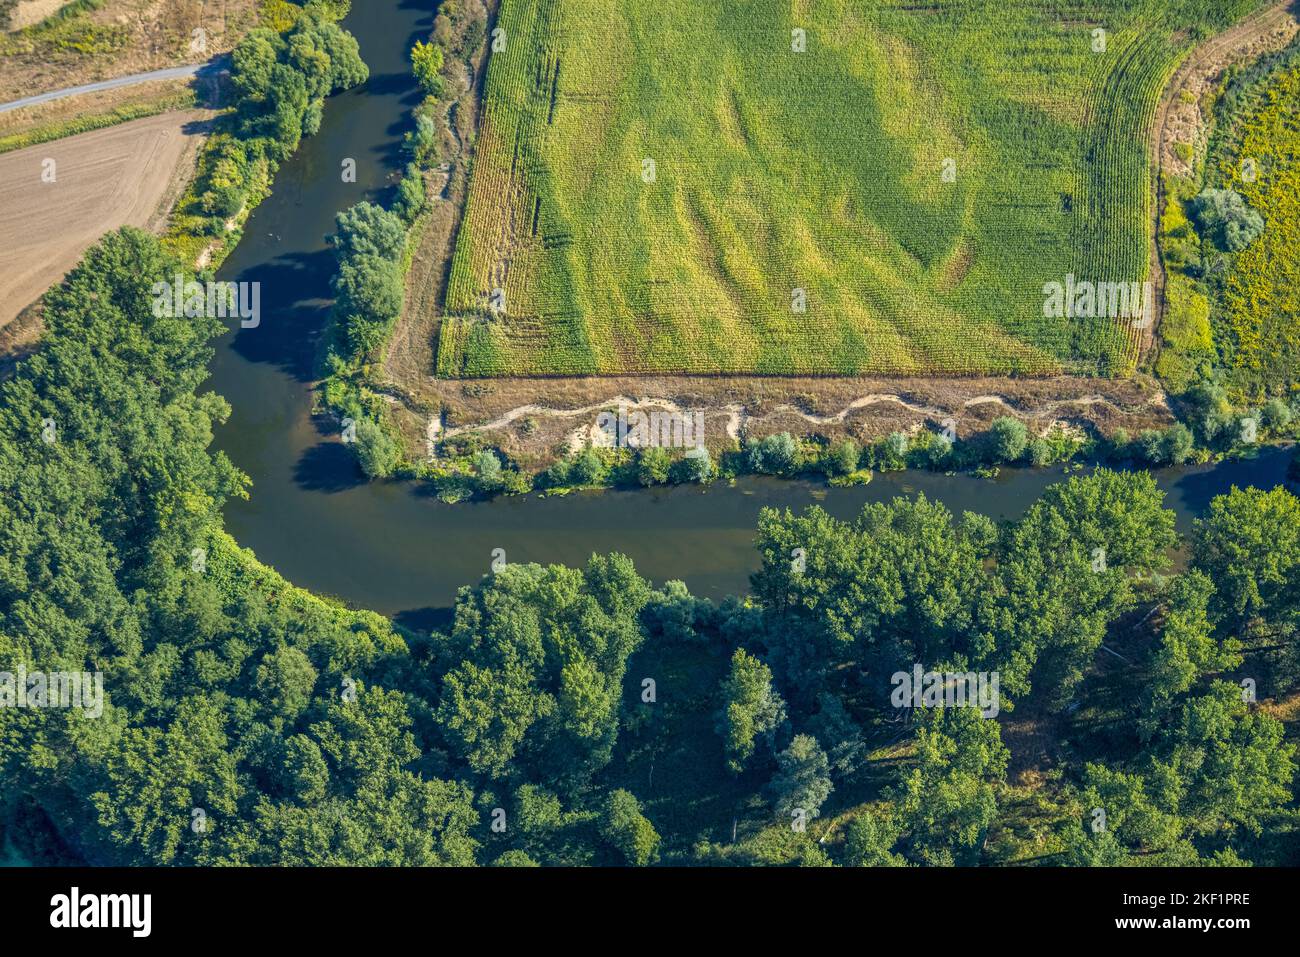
{"points": [[819, 171]]}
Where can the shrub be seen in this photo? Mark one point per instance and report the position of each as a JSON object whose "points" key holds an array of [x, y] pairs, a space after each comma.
{"points": [[1040, 452], [487, 467], [775, 455], [587, 468], [426, 60], [842, 458], [377, 453], [939, 452], [410, 194], [695, 466], [1225, 219], [1276, 415], [1007, 439], [652, 466]]}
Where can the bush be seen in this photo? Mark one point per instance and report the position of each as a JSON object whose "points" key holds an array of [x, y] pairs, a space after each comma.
{"points": [[1276, 415], [775, 455], [939, 452], [1225, 219], [588, 468], [842, 458], [421, 142], [410, 194], [695, 466], [487, 467], [890, 453], [1040, 452], [652, 466], [377, 453], [1007, 439], [1173, 446], [426, 60]]}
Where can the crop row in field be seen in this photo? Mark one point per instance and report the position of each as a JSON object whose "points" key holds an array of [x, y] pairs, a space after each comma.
{"points": [[818, 187]]}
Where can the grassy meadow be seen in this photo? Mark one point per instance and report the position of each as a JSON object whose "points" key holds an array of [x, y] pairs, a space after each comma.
{"points": [[891, 198]]}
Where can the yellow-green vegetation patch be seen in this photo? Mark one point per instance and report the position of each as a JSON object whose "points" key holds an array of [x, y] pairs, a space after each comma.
{"points": [[1258, 323], [828, 187]]}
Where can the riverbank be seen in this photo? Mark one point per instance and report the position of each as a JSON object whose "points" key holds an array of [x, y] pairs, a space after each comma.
{"points": [[442, 426], [392, 545]]}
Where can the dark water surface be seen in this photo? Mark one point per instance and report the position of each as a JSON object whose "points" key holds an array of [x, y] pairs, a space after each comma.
{"points": [[391, 546]]}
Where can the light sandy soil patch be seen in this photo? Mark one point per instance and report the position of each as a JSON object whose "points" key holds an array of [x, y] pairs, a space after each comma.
{"points": [[127, 175], [30, 12]]}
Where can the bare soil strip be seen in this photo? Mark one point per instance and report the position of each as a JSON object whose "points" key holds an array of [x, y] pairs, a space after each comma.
{"points": [[120, 176], [535, 420]]}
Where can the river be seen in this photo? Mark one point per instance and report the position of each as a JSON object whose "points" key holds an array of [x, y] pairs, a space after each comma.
{"points": [[394, 548]]}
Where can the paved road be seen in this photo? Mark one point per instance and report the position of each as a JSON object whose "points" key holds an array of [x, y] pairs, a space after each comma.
{"points": [[171, 73]]}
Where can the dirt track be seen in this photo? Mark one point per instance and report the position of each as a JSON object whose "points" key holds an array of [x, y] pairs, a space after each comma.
{"points": [[120, 176]]}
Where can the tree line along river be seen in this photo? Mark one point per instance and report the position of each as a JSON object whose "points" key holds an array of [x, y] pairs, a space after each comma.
{"points": [[393, 547]]}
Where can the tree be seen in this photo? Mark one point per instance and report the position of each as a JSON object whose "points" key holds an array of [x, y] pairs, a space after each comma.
{"points": [[587, 468], [533, 668], [775, 455], [838, 735], [426, 60], [410, 194], [1223, 765], [899, 585], [842, 458], [949, 800], [870, 839], [628, 831], [377, 453], [368, 283], [695, 466], [1188, 649], [488, 469], [284, 683], [751, 709], [652, 465], [1223, 217], [1249, 545], [1007, 439], [368, 230], [802, 782], [1065, 575]]}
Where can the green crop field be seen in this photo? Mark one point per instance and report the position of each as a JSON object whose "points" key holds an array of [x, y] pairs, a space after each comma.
{"points": [[674, 187]]}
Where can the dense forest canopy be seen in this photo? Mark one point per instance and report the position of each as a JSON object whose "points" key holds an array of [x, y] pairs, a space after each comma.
{"points": [[584, 715]]}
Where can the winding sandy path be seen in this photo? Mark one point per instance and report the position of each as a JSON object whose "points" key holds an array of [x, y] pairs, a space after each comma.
{"points": [[738, 417]]}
